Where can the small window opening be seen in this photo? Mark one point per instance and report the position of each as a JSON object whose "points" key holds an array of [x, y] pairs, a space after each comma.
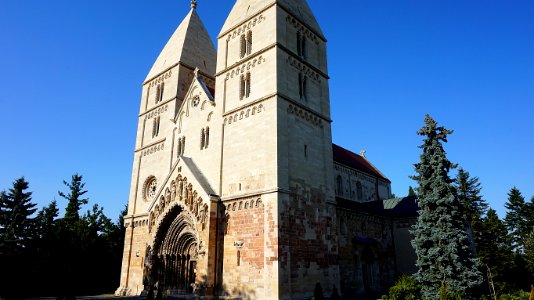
{"points": [[245, 86], [301, 45], [249, 42], [207, 137], [202, 138], [339, 182], [246, 44], [155, 127], [305, 151], [303, 85], [159, 92], [238, 258]]}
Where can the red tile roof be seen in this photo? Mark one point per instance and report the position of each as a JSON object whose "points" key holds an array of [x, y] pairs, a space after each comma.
{"points": [[355, 161]]}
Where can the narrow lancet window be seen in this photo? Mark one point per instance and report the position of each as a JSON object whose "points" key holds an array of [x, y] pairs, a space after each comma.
{"points": [[207, 137], [303, 82], [202, 138], [245, 86], [301, 45], [249, 42]]}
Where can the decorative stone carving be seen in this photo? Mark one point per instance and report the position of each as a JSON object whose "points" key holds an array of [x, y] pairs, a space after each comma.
{"points": [[244, 113], [243, 29], [305, 115], [160, 79], [297, 64], [247, 66]]}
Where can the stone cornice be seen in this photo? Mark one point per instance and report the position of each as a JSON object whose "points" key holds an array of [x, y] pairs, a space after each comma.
{"points": [[173, 66], [151, 144]]}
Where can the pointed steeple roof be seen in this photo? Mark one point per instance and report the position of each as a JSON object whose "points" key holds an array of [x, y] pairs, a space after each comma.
{"points": [[244, 9], [190, 44]]}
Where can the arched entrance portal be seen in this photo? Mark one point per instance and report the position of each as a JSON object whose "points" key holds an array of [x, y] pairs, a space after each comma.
{"points": [[175, 253]]}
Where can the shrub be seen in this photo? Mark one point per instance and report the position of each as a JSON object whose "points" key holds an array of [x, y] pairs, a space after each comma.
{"points": [[406, 288]]}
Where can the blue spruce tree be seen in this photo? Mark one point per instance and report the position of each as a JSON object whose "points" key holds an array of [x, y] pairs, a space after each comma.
{"points": [[446, 263]]}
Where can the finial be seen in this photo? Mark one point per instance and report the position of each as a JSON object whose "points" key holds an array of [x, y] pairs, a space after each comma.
{"points": [[193, 4], [362, 153]]}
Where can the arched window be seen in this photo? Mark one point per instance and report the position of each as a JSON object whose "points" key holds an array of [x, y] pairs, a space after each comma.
{"points": [[249, 42], [179, 150], [303, 83], [245, 86], [339, 184], [159, 92], [155, 126], [202, 138], [207, 137], [246, 44], [359, 190], [301, 45], [243, 46]]}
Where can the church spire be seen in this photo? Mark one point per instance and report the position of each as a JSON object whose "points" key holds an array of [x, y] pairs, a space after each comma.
{"points": [[193, 4]]}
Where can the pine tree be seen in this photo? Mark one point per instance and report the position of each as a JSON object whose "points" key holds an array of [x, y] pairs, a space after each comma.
{"points": [[440, 238], [516, 219], [474, 207], [46, 219], [494, 249], [468, 192], [76, 191], [16, 224]]}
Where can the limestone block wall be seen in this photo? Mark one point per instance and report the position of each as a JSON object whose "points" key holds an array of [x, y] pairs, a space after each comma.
{"points": [[134, 256], [249, 151]]}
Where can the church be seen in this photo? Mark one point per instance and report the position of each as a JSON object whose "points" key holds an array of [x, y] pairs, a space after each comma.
{"points": [[237, 190]]}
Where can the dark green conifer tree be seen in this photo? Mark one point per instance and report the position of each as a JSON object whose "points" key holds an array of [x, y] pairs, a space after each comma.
{"points": [[493, 249], [76, 191], [516, 219], [16, 233], [468, 192], [440, 239], [16, 224]]}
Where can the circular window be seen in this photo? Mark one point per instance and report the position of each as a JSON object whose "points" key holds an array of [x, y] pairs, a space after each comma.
{"points": [[150, 188]]}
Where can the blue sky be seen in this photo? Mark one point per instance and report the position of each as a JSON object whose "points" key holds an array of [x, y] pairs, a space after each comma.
{"points": [[71, 74]]}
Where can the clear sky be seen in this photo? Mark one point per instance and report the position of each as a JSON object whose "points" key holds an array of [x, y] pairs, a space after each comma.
{"points": [[71, 74]]}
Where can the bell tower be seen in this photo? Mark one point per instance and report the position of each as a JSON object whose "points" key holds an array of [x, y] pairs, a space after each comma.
{"points": [[273, 95], [189, 53]]}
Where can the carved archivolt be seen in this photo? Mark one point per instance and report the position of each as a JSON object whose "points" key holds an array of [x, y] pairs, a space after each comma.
{"points": [[244, 113], [245, 67], [179, 192], [297, 64], [303, 114], [245, 27]]}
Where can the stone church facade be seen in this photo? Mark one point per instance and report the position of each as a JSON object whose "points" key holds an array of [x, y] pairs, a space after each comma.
{"points": [[237, 190]]}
